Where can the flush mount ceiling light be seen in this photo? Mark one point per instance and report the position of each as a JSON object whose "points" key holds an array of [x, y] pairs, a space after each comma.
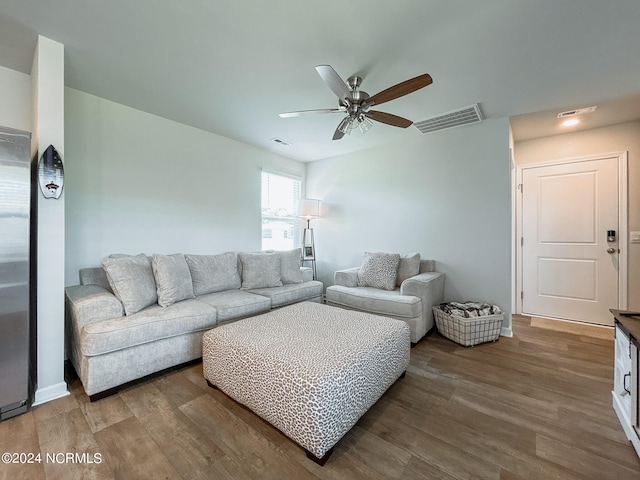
{"points": [[572, 115], [579, 111], [571, 122]]}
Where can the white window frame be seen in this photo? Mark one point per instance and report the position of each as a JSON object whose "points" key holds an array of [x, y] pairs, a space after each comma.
{"points": [[278, 209]]}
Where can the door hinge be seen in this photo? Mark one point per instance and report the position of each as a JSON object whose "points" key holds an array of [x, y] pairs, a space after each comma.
{"points": [[520, 187], [521, 295], [521, 241]]}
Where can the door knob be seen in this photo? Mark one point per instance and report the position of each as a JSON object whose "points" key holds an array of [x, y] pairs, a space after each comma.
{"points": [[611, 250]]}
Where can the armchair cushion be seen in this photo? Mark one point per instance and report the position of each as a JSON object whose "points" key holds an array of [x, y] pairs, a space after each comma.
{"points": [[375, 300], [379, 270], [408, 267]]}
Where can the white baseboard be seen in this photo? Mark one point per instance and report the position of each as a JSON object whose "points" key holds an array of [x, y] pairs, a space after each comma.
{"points": [[506, 332], [46, 394]]}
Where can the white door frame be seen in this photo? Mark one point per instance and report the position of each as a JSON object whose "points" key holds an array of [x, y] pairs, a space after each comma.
{"points": [[623, 203]]}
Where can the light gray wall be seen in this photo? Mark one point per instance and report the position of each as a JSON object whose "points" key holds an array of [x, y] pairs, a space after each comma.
{"points": [[136, 183], [15, 99], [616, 138], [445, 195]]}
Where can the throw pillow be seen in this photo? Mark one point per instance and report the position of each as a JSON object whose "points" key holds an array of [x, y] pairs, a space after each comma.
{"points": [[260, 270], [379, 270], [173, 279], [214, 273], [408, 267], [290, 266], [132, 281]]}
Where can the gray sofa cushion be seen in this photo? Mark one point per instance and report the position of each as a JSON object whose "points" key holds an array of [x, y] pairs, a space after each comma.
{"points": [[132, 281], [292, 293], [290, 266], [409, 266], [260, 270], [151, 324], [375, 300], [379, 270], [214, 273], [234, 304], [173, 279]]}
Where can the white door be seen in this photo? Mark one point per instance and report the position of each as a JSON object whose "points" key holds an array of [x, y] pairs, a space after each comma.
{"points": [[569, 268]]}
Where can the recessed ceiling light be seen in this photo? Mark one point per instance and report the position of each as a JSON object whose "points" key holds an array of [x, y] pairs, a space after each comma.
{"points": [[571, 122]]}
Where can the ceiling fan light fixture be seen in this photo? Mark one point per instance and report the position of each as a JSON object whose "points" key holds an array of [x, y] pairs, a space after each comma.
{"points": [[346, 125], [364, 123]]}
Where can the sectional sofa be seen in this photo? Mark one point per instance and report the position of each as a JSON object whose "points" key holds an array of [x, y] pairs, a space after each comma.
{"points": [[137, 315]]}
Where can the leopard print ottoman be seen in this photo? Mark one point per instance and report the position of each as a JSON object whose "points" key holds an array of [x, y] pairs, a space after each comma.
{"points": [[308, 369]]}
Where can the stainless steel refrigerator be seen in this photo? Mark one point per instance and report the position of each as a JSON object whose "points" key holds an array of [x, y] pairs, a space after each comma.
{"points": [[15, 195]]}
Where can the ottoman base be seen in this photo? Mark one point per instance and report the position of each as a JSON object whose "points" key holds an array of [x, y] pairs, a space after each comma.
{"points": [[320, 461], [307, 369]]}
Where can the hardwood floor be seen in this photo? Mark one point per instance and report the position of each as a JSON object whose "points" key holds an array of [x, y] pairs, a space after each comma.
{"points": [[535, 406]]}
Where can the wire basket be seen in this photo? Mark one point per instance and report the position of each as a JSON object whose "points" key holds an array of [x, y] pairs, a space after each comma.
{"points": [[468, 331]]}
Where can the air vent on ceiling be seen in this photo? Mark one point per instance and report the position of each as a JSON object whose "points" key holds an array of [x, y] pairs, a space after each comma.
{"points": [[280, 141], [456, 118], [579, 111]]}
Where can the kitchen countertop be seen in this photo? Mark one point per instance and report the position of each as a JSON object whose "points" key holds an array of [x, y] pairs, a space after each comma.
{"points": [[629, 322]]}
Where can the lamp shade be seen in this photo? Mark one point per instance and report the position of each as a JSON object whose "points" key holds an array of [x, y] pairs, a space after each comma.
{"points": [[308, 207]]}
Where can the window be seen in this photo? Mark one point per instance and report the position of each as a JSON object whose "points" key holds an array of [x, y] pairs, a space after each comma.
{"points": [[280, 221]]}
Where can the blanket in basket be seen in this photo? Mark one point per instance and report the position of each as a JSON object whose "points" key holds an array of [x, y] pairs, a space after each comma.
{"points": [[469, 309]]}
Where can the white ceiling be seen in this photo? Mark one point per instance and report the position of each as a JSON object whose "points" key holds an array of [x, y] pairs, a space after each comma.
{"points": [[230, 66]]}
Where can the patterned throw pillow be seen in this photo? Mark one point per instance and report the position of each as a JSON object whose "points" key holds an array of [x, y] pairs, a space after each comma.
{"points": [[379, 270]]}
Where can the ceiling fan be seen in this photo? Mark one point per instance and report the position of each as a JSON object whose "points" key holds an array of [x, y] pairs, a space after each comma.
{"points": [[356, 104]]}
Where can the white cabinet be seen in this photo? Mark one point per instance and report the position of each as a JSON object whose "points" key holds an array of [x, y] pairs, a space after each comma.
{"points": [[625, 386]]}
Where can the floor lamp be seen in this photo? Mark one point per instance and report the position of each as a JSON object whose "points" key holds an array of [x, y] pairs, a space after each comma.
{"points": [[309, 208]]}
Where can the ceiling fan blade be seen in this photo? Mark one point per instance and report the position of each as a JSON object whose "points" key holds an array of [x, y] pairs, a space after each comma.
{"points": [[307, 112], [401, 89], [334, 82], [389, 119]]}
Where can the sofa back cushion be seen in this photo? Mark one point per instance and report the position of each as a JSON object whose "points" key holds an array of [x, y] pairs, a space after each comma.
{"points": [[173, 278], [379, 270], [214, 273], [427, 265], [409, 266], [260, 270], [290, 265], [132, 281]]}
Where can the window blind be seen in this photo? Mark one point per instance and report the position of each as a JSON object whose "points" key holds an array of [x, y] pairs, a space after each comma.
{"points": [[280, 221]]}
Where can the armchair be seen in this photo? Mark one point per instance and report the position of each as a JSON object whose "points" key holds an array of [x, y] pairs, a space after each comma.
{"points": [[412, 301]]}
